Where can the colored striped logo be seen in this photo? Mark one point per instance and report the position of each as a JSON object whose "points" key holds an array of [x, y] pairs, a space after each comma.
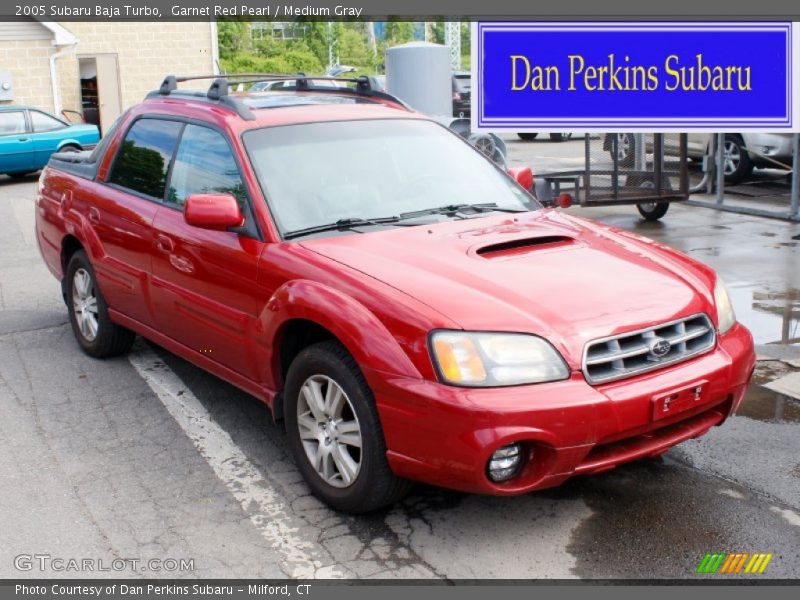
{"points": [[739, 562]]}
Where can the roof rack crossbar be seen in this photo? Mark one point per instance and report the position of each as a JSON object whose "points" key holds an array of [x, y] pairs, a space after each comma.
{"points": [[219, 89]]}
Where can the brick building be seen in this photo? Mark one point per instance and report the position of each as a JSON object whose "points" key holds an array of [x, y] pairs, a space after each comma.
{"points": [[98, 68]]}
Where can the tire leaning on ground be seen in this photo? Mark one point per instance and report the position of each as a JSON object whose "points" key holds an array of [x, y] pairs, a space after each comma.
{"points": [[96, 334], [334, 432]]}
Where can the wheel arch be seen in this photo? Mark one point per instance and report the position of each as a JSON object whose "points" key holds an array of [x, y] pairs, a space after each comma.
{"points": [[69, 246], [69, 142], [303, 312]]}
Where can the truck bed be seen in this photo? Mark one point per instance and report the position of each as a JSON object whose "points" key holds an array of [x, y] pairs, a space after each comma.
{"points": [[81, 164]]}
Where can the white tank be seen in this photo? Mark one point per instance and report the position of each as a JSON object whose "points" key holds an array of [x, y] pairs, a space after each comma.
{"points": [[419, 74]]}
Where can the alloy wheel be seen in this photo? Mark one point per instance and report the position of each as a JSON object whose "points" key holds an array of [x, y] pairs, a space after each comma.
{"points": [[623, 147], [84, 304], [329, 431], [648, 206], [732, 157]]}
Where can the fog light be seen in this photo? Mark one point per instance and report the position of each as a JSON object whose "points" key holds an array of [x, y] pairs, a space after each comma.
{"points": [[505, 463]]}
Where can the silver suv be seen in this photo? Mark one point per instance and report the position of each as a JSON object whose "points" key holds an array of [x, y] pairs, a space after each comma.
{"points": [[743, 151]]}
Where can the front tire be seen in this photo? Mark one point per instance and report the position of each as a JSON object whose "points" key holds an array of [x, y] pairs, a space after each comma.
{"points": [[527, 137], [96, 334], [335, 434]]}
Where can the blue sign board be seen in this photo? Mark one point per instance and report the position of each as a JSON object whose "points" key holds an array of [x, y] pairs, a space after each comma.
{"points": [[636, 76]]}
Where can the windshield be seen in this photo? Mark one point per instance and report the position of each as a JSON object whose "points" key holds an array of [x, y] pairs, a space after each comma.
{"points": [[463, 82], [319, 173]]}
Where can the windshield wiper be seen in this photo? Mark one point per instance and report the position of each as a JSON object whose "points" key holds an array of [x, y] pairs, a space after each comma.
{"points": [[451, 209], [340, 225]]}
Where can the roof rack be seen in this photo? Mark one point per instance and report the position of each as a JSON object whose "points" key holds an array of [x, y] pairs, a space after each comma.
{"points": [[219, 90]]}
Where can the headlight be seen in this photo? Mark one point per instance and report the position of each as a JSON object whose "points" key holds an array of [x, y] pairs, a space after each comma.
{"points": [[495, 359], [725, 315]]}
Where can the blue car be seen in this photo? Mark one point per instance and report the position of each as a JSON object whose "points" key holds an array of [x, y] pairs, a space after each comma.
{"points": [[28, 136]]}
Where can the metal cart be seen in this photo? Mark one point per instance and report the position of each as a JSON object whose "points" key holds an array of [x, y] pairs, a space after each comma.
{"points": [[647, 170]]}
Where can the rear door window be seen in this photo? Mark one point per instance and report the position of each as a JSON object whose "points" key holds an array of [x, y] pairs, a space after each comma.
{"points": [[145, 154], [42, 122]]}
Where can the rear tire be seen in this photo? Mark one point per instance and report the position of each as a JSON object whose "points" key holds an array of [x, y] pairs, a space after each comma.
{"points": [[96, 334], [527, 137], [331, 419], [22, 175], [70, 148]]}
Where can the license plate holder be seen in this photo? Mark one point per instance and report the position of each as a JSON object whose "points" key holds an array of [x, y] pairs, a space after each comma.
{"points": [[676, 401]]}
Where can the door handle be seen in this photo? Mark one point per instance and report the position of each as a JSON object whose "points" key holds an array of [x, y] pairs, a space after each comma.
{"points": [[23, 139], [94, 215], [164, 243]]}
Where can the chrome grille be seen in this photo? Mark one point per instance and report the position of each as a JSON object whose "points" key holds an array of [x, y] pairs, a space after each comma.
{"points": [[638, 351]]}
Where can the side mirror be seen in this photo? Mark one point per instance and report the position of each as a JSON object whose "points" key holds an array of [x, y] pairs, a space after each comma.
{"points": [[212, 211], [523, 176]]}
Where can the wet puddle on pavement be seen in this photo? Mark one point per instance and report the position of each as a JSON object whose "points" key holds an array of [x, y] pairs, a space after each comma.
{"points": [[772, 317], [763, 404]]}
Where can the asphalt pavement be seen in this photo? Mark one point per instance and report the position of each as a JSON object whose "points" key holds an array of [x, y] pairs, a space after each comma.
{"points": [[147, 457]]}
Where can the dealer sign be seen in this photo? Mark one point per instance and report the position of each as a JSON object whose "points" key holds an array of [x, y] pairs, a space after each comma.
{"points": [[636, 76]]}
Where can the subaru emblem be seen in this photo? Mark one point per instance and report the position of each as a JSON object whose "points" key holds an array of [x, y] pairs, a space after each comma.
{"points": [[660, 347]]}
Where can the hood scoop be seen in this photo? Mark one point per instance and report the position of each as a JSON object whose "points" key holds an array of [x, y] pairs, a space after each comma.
{"points": [[523, 246]]}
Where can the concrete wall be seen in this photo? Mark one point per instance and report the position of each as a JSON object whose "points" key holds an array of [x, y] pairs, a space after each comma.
{"points": [[28, 62], [145, 53]]}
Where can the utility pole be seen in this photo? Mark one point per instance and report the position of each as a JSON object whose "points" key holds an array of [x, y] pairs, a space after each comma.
{"points": [[373, 43], [330, 43], [452, 39]]}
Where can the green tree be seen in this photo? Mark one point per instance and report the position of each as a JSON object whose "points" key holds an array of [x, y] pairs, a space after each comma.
{"points": [[466, 39], [353, 49], [437, 31], [233, 38], [399, 32], [318, 37]]}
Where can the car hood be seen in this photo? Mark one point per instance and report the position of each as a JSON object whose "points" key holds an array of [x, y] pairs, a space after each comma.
{"points": [[547, 273]]}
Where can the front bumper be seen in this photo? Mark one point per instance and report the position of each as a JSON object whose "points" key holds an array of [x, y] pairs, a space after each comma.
{"points": [[772, 145], [445, 435]]}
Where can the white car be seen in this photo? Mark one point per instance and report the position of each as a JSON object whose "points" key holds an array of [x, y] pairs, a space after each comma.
{"points": [[743, 151]]}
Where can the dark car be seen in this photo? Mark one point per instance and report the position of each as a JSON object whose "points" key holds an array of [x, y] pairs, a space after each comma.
{"points": [[462, 94]]}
